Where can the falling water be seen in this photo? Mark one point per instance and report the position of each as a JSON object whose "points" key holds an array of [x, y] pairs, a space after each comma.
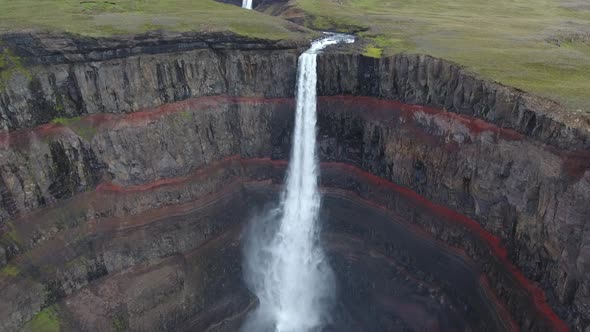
{"points": [[285, 266], [247, 4]]}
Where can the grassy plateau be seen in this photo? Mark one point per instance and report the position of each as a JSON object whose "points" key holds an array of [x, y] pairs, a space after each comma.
{"points": [[106, 18], [541, 46]]}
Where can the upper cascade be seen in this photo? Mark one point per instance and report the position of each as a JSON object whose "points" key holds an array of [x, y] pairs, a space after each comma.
{"points": [[247, 4]]}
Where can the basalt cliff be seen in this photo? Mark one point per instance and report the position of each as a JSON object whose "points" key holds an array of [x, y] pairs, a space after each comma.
{"points": [[130, 167]]}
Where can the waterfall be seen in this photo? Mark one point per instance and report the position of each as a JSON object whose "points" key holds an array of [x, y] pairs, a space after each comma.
{"points": [[285, 265], [247, 4]]}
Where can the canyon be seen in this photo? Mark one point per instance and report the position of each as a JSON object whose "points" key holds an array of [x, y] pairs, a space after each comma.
{"points": [[130, 168]]}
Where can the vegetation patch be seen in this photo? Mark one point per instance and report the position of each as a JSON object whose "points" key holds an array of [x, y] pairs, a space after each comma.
{"points": [[373, 52], [335, 24], [10, 237], [66, 121], [10, 64], [121, 322], [46, 320], [81, 128], [186, 115], [9, 271], [93, 7]]}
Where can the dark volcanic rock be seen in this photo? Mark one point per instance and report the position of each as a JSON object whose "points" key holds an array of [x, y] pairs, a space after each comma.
{"points": [[515, 187], [80, 190], [473, 167], [424, 80], [184, 260], [44, 166], [122, 76], [53, 48]]}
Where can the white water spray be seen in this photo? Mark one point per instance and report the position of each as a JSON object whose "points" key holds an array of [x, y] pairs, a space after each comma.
{"points": [[285, 266], [247, 4]]}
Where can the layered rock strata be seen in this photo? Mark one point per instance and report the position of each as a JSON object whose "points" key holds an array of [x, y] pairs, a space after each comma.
{"points": [[210, 129], [186, 256], [516, 164], [66, 77]]}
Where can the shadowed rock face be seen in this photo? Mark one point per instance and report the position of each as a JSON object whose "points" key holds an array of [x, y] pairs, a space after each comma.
{"points": [[183, 261], [131, 217]]}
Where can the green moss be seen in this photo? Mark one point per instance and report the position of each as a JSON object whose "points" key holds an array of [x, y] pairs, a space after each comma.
{"points": [[9, 271], [66, 121], [373, 52], [59, 105], [81, 128], [46, 320], [3, 61], [10, 237], [13, 235], [120, 323], [10, 64], [186, 115], [87, 132]]}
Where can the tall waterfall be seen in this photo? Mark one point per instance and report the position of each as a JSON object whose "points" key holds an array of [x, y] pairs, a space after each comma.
{"points": [[285, 265], [247, 4]]}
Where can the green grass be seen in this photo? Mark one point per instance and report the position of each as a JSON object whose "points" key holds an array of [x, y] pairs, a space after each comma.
{"points": [[81, 128], [46, 320], [66, 121], [9, 65], [373, 52], [536, 45], [105, 18]]}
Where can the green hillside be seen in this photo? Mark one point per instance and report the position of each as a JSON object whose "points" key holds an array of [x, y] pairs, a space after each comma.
{"points": [[105, 18], [542, 46]]}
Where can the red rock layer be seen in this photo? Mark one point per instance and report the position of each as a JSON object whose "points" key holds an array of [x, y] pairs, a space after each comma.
{"points": [[445, 214]]}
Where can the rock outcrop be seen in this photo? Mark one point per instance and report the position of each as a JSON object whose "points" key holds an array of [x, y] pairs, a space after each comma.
{"points": [[65, 77], [424, 80]]}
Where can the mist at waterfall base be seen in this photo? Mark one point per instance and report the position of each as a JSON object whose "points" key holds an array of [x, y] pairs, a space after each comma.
{"points": [[285, 265], [247, 4]]}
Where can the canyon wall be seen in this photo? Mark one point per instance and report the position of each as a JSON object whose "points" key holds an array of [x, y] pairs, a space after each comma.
{"points": [[65, 77], [516, 164], [424, 80], [531, 188]]}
